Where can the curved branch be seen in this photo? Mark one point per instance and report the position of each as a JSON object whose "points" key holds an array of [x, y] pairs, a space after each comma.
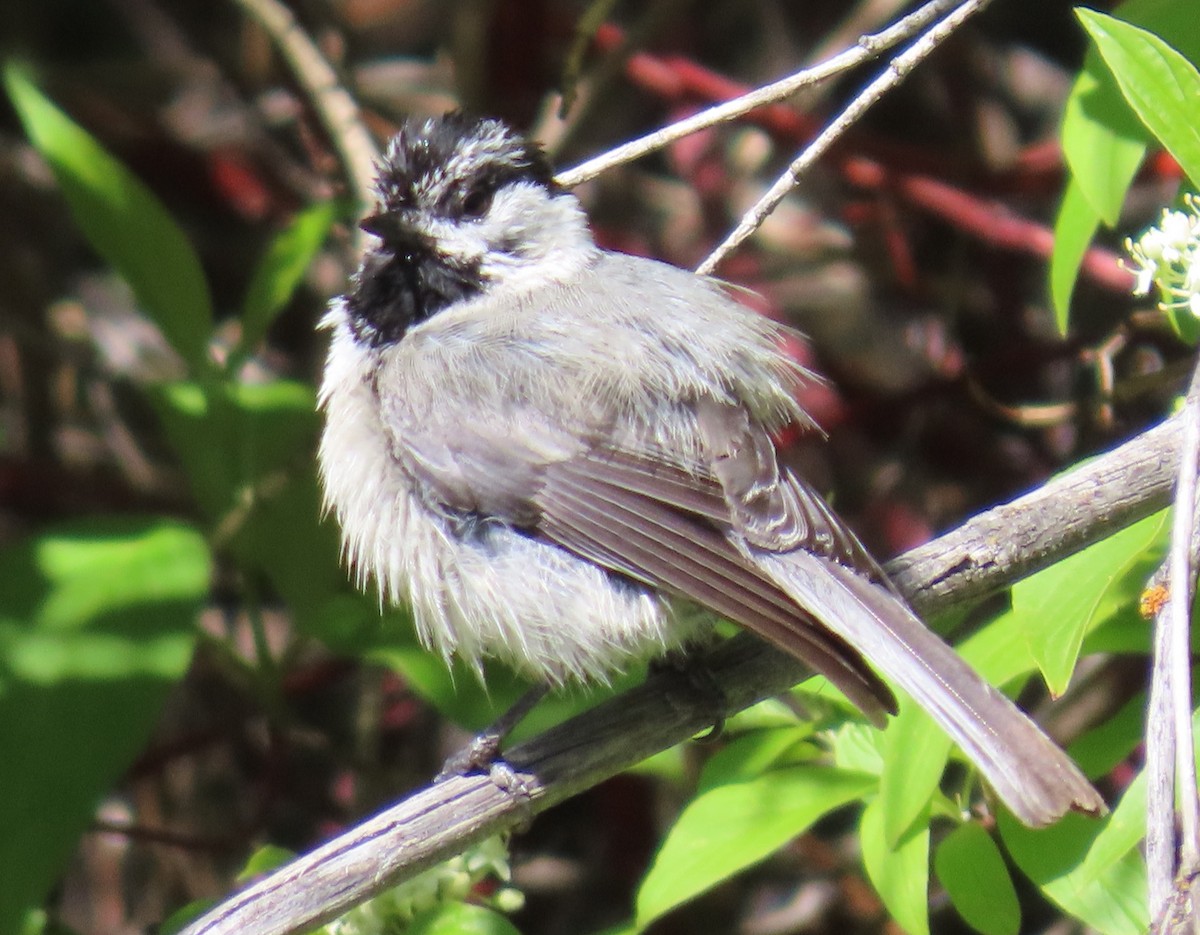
{"points": [[986, 553], [332, 103]]}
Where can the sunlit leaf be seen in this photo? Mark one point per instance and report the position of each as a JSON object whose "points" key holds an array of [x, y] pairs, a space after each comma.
{"points": [[461, 919], [1160, 84], [1107, 894], [969, 865], [281, 269], [734, 826], [96, 625], [123, 221], [1058, 606], [1074, 229], [900, 872]]}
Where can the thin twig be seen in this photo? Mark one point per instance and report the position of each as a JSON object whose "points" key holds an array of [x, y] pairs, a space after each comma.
{"points": [[1160, 777], [895, 73], [1173, 855], [1183, 561], [867, 48], [333, 104], [1065, 515]]}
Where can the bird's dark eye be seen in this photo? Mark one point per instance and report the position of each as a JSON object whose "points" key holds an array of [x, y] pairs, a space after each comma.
{"points": [[478, 201]]}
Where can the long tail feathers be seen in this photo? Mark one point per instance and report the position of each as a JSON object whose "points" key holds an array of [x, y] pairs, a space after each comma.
{"points": [[1033, 777]]}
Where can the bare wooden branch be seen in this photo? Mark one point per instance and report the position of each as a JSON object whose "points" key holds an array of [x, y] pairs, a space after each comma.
{"points": [[1173, 851], [867, 48], [332, 103], [1015, 540], [896, 72], [986, 553]]}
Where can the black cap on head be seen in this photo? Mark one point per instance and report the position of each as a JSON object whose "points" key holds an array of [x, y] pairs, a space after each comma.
{"points": [[451, 165]]}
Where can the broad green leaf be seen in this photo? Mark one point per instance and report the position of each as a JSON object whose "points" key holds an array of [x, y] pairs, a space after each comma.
{"points": [[1093, 869], [248, 451], [96, 625], [969, 865], [1109, 896], [751, 755], [734, 826], [123, 221], [233, 436], [280, 271], [266, 858], [857, 748], [1103, 141], [184, 916], [1058, 606], [461, 919], [900, 873], [1107, 744], [915, 751], [1158, 82], [628, 927], [768, 713], [1121, 833], [1073, 232]]}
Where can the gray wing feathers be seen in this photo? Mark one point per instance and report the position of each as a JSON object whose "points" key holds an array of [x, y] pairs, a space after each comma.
{"points": [[588, 508], [1032, 775], [770, 508]]}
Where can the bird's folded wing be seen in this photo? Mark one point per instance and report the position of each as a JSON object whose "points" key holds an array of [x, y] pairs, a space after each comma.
{"points": [[657, 524], [671, 528]]}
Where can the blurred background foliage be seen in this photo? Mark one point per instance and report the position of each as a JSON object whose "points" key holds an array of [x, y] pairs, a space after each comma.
{"points": [[186, 672]]}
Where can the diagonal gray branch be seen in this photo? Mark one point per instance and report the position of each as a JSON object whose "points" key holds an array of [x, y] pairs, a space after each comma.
{"points": [[983, 555]]}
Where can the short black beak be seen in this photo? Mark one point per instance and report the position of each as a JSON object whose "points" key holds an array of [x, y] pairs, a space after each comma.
{"points": [[391, 228]]}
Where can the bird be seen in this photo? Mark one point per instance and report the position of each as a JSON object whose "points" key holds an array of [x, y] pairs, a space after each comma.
{"points": [[562, 457]]}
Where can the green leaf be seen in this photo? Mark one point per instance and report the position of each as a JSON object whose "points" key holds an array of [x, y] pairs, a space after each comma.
{"points": [[857, 748], [969, 865], [731, 827], [96, 625], [1158, 82], [1103, 141], [1108, 895], [751, 755], [1105, 746], [266, 858], [900, 874], [915, 751], [1073, 232], [1092, 869], [628, 927], [280, 270], [123, 222], [1058, 606], [461, 919], [248, 451]]}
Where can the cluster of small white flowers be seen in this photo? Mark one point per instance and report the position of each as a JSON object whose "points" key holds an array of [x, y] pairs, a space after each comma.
{"points": [[1168, 256], [452, 881]]}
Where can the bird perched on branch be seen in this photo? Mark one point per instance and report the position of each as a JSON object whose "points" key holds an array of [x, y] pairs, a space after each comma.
{"points": [[554, 453]]}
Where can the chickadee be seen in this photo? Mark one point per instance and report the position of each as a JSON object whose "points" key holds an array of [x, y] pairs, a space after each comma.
{"points": [[556, 454]]}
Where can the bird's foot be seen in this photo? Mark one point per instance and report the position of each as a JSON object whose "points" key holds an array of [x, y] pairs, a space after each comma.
{"points": [[482, 754]]}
